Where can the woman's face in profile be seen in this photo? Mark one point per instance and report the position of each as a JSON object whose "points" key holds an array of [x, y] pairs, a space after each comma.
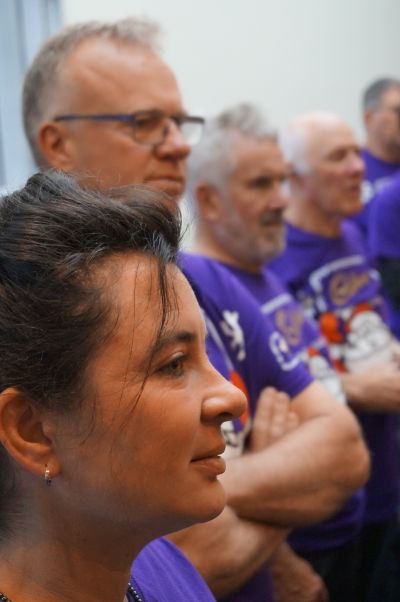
{"points": [[148, 453]]}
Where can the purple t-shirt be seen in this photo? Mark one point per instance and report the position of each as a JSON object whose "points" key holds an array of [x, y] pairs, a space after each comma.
{"points": [[377, 174], [161, 573], [384, 231], [304, 338], [247, 350], [336, 286]]}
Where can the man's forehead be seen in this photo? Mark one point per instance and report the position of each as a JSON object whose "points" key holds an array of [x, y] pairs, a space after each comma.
{"points": [[120, 76], [254, 154], [391, 97], [327, 138]]}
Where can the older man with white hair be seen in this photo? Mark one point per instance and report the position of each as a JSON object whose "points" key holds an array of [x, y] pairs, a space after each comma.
{"points": [[325, 266]]}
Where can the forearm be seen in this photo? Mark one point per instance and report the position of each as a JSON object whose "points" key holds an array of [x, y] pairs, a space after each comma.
{"points": [[367, 392], [227, 551], [304, 477]]}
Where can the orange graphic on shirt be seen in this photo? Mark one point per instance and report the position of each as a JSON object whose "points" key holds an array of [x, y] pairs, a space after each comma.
{"points": [[237, 380]]}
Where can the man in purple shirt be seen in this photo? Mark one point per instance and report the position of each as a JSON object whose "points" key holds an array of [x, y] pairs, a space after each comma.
{"points": [[99, 102], [239, 207], [381, 113], [326, 267], [384, 245]]}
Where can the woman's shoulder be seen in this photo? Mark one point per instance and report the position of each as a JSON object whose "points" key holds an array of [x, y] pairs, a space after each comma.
{"points": [[161, 572]]}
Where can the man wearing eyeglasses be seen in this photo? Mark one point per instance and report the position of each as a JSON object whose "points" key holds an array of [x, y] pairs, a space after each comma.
{"points": [[84, 112], [381, 114], [100, 103]]}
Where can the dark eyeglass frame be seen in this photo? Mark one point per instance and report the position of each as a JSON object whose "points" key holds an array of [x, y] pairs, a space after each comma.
{"points": [[134, 118]]}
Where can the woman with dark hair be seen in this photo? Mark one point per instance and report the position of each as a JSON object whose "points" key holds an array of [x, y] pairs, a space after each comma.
{"points": [[110, 411]]}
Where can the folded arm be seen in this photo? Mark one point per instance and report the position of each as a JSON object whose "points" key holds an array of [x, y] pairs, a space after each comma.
{"points": [[228, 550], [304, 477]]}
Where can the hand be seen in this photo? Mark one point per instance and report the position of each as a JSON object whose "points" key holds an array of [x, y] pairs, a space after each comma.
{"points": [[396, 351], [295, 580], [376, 389], [273, 419]]}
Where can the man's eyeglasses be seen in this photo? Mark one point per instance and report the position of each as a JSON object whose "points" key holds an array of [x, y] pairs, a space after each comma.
{"points": [[395, 110], [150, 127]]}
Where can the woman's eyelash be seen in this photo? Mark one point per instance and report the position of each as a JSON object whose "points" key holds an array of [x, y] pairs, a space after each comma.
{"points": [[174, 367]]}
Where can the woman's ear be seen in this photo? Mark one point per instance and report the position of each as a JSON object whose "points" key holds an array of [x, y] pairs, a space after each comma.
{"points": [[26, 433]]}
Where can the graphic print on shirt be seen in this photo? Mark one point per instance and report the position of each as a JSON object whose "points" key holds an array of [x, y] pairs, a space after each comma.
{"points": [[304, 340], [233, 331], [371, 189], [346, 301], [235, 431]]}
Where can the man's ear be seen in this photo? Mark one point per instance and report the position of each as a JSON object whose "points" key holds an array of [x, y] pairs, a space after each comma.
{"points": [[26, 433], [208, 201], [368, 117], [55, 143]]}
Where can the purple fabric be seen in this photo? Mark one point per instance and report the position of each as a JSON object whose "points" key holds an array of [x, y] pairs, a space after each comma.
{"points": [[161, 573], [335, 284], [377, 175], [258, 589], [259, 356], [384, 230], [384, 234], [242, 345], [304, 338]]}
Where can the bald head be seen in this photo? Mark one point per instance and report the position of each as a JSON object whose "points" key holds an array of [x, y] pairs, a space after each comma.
{"points": [[306, 136], [327, 170]]}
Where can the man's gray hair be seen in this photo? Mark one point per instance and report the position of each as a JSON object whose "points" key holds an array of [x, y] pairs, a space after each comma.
{"points": [[372, 96], [213, 158], [43, 79]]}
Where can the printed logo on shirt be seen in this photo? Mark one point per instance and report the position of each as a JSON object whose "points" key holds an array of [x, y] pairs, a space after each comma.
{"points": [[321, 368], [345, 285], [290, 323], [235, 431], [370, 189], [358, 337], [233, 331], [280, 348]]}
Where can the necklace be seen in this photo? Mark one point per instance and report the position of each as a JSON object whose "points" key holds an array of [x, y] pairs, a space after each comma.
{"points": [[131, 590]]}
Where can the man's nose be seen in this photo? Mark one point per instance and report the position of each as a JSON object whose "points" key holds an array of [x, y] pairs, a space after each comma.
{"points": [[357, 164], [278, 196], [174, 145]]}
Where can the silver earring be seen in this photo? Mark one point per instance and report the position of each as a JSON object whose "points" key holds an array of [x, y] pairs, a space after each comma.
{"points": [[47, 476]]}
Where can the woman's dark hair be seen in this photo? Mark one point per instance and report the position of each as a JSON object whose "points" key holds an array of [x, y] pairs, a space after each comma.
{"points": [[52, 314]]}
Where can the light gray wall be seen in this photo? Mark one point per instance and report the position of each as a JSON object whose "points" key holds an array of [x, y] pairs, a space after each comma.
{"points": [[24, 24], [288, 56]]}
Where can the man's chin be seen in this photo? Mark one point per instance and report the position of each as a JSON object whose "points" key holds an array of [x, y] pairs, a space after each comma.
{"points": [[172, 188]]}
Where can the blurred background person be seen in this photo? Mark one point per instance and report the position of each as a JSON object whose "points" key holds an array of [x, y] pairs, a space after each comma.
{"points": [[381, 155], [325, 265], [236, 178]]}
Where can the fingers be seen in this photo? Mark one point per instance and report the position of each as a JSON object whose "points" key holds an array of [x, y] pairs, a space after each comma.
{"points": [[272, 420]]}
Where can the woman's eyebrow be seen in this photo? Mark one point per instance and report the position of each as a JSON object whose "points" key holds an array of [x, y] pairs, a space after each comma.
{"points": [[182, 336]]}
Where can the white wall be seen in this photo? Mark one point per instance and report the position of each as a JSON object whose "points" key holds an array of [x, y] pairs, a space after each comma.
{"points": [[288, 56]]}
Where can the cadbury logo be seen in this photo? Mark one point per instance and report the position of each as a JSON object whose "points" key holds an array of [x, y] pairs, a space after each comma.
{"points": [[344, 285]]}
